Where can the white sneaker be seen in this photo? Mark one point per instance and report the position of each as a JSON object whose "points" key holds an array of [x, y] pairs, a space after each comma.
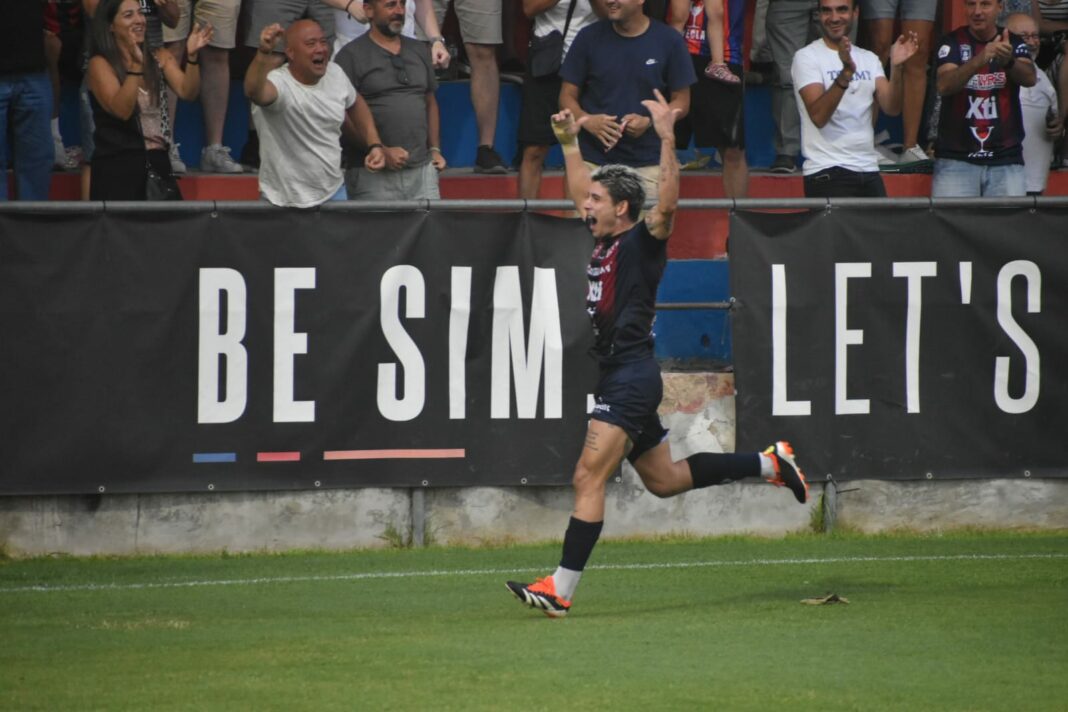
{"points": [[913, 155], [216, 159], [177, 166], [886, 156]]}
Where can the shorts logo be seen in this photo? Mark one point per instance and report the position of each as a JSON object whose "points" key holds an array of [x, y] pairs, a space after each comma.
{"points": [[943, 51], [650, 62]]}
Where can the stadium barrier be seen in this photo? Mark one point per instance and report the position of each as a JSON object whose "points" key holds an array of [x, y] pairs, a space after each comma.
{"points": [[130, 359]]}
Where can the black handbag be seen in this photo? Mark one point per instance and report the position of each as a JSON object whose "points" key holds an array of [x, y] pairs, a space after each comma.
{"points": [[158, 187], [545, 54]]}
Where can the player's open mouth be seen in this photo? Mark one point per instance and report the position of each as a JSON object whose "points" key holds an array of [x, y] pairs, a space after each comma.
{"points": [[590, 221]]}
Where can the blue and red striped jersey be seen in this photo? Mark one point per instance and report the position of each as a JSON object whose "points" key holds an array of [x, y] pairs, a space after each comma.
{"points": [[624, 274], [982, 123]]}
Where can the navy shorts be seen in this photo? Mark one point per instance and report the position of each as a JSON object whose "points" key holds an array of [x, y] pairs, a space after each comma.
{"points": [[628, 396]]}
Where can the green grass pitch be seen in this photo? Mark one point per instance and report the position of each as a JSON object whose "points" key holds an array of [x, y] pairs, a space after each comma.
{"points": [[975, 621]]}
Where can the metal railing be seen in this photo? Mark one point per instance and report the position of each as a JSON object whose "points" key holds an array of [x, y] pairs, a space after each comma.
{"points": [[728, 204]]}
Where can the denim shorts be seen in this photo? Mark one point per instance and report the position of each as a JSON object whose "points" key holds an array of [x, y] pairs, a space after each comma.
{"points": [[960, 179]]}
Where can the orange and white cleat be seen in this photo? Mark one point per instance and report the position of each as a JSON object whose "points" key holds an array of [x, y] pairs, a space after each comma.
{"points": [[541, 596], [787, 473]]}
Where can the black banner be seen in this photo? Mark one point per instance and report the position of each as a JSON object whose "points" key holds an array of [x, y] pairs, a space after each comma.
{"points": [[242, 350], [896, 343]]}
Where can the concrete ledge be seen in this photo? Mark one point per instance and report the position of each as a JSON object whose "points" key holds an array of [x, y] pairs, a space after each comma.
{"points": [[878, 506], [699, 410]]}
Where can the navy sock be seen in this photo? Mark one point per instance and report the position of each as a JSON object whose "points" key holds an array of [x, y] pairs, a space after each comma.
{"points": [[720, 468], [579, 540]]}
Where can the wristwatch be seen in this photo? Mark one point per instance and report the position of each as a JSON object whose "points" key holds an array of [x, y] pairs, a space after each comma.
{"points": [[437, 39]]}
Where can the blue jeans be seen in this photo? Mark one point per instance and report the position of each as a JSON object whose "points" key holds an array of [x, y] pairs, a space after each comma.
{"points": [[341, 194], [960, 179], [26, 100]]}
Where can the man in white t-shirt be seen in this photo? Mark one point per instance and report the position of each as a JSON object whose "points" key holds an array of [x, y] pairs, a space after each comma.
{"points": [[298, 110], [837, 85], [1038, 105]]}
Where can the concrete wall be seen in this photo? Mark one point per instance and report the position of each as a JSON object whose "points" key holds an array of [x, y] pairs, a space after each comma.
{"points": [[699, 410]]}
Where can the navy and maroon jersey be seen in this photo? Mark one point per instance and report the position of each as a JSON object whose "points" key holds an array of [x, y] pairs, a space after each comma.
{"points": [[733, 30], [624, 274], [981, 123]]}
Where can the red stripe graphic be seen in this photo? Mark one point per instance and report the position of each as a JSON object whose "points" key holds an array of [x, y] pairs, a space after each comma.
{"points": [[278, 457], [424, 454]]}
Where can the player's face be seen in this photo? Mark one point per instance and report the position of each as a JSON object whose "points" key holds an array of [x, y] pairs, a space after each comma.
{"points": [[308, 51], [982, 16], [129, 24], [602, 215], [837, 18], [387, 16]]}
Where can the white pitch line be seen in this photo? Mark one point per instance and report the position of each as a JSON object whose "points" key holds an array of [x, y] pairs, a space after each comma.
{"points": [[370, 575]]}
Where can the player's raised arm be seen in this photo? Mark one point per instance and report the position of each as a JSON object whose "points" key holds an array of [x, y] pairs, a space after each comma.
{"points": [[661, 218], [578, 175]]}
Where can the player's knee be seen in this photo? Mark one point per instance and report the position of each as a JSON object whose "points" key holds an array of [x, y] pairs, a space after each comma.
{"points": [[585, 479]]}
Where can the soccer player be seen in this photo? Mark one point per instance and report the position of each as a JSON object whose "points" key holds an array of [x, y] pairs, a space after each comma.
{"points": [[628, 260]]}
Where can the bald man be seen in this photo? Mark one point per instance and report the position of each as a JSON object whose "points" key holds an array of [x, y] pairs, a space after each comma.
{"points": [[299, 110]]}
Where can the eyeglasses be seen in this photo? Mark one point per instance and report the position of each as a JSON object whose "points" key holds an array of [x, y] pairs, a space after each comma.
{"points": [[1025, 36], [398, 64]]}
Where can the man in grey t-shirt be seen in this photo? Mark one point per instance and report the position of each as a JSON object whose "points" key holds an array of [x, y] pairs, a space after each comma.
{"points": [[397, 118]]}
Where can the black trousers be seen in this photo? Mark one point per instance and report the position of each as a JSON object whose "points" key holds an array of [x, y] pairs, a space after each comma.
{"points": [[843, 183]]}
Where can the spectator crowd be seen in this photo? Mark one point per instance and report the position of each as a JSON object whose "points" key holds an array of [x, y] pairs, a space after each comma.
{"points": [[343, 93]]}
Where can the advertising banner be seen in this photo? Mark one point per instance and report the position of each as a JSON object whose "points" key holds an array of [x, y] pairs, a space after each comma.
{"points": [[263, 349], [900, 343]]}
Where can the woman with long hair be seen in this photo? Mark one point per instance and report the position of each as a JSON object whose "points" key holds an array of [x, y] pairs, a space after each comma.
{"points": [[128, 84]]}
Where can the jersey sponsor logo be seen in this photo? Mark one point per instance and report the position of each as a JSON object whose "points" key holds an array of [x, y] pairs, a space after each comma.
{"points": [[987, 81], [981, 108], [981, 134], [943, 51], [593, 295]]}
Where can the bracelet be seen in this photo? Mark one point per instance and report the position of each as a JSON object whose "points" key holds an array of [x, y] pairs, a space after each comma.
{"points": [[348, 6], [194, 62], [373, 146], [435, 149]]}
